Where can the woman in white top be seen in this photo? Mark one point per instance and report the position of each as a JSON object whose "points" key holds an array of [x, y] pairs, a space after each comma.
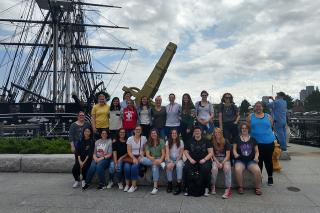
{"points": [[204, 113], [174, 152], [135, 147], [144, 115]]}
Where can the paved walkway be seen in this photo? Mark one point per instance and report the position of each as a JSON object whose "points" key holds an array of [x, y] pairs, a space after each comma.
{"points": [[31, 192]]}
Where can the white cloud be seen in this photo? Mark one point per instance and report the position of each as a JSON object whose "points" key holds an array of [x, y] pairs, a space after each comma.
{"points": [[243, 47]]}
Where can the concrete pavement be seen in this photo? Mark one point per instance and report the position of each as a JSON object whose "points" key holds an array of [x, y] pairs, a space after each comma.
{"points": [[45, 192]]}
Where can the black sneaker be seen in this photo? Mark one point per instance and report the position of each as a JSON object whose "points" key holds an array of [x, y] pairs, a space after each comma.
{"points": [[101, 187], [85, 187], [270, 181]]}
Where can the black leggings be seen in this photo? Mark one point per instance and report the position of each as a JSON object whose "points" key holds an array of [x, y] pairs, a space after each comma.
{"points": [[265, 155], [205, 173], [76, 170]]}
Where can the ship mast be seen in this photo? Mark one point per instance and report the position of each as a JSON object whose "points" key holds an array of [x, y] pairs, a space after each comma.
{"points": [[59, 55]]}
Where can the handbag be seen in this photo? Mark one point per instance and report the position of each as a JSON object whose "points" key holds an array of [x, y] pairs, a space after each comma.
{"points": [[128, 159]]}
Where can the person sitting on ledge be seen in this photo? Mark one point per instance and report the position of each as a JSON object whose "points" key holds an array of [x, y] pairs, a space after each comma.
{"points": [[155, 153], [101, 160], [198, 166], [246, 153]]}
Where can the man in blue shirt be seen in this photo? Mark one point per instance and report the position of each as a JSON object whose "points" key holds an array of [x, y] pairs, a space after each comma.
{"points": [[278, 107]]}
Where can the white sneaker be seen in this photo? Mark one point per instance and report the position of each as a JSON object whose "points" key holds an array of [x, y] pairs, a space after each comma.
{"points": [[154, 191], [186, 194], [110, 184], [126, 188], [120, 185], [76, 184], [83, 183], [206, 192], [163, 165], [132, 189]]}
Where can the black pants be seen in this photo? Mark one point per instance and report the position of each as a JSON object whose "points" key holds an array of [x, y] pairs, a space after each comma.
{"points": [[265, 156], [185, 135], [76, 170], [230, 131], [145, 130], [205, 173]]}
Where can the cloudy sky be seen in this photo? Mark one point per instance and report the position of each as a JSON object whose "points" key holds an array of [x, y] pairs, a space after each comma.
{"points": [[237, 46]]}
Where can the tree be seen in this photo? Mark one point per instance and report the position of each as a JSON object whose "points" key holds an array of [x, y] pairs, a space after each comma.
{"points": [[244, 106], [289, 101], [312, 102]]}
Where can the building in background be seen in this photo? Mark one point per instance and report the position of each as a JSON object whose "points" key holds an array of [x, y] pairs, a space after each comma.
{"points": [[304, 93]]}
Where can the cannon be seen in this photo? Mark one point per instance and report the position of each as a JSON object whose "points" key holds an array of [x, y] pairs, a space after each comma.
{"points": [[151, 86]]}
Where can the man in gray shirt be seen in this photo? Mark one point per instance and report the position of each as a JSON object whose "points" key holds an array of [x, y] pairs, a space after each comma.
{"points": [[173, 111]]}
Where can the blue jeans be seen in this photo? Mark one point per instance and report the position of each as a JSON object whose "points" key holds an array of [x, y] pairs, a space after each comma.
{"points": [[100, 169], [207, 128], [155, 168], [179, 170], [280, 129], [162, 133], [119, 170], [131, 171]]}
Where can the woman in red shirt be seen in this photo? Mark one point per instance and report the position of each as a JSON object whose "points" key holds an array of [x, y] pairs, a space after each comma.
{"points": [[129, 116]]}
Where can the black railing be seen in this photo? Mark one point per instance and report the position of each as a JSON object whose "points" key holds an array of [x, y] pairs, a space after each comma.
{"points": [[305, 130]]}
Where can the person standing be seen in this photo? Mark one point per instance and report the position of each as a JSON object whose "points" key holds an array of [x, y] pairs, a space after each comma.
{"points": [[115, 118], [205, 114], [100, 116], [187, 117], [173, 110], [278, 107], [76, 131], [126, 98], [130, 117], [144, 116], [228, 117], [261, 131], [159, 117]]}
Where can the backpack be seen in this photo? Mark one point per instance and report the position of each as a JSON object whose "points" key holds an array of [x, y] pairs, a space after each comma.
{"points": [[195, 184]]}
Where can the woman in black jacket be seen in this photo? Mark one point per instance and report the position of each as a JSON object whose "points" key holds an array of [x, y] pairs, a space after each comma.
{"points": [[84, 152]]}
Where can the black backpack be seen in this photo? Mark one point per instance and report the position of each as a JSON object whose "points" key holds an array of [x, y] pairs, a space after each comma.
{"points": [[195, 183]]}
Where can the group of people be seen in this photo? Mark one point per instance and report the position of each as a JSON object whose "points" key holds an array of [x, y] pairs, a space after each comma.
{"points": [[126, 139]]}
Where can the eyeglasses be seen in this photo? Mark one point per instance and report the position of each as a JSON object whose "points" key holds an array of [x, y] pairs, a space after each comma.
{"points": [[122, 132], [227, 97], [138, 129], [204, 95]]}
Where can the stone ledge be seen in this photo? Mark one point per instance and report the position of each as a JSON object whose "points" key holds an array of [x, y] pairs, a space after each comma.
{"points": [[10, 163], [51, 163], [63, 163]]}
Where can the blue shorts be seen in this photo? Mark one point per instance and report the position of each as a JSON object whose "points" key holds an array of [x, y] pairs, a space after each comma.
{"points": [[246, 163]]}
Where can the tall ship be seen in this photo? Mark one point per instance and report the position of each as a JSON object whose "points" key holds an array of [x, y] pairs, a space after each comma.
{"points": [[47, 69]]}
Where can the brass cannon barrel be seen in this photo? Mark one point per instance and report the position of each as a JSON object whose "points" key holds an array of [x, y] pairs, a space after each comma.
{"points": [[151, 86]]}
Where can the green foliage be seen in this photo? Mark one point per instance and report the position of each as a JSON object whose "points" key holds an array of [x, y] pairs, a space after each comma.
{"points": [[34, 146], [312, 102], [289, 101], [244, 106]]}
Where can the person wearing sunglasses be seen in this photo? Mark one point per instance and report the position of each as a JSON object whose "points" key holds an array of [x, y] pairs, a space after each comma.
{"points": [[228, 117]]}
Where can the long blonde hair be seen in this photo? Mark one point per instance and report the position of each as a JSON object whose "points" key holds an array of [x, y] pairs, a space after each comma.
{"points": [[217, 146]]}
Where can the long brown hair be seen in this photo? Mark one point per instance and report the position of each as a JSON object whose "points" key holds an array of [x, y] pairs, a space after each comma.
{"points": [[150, 140], [170, 140], [186, 107], [217, 146]]}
